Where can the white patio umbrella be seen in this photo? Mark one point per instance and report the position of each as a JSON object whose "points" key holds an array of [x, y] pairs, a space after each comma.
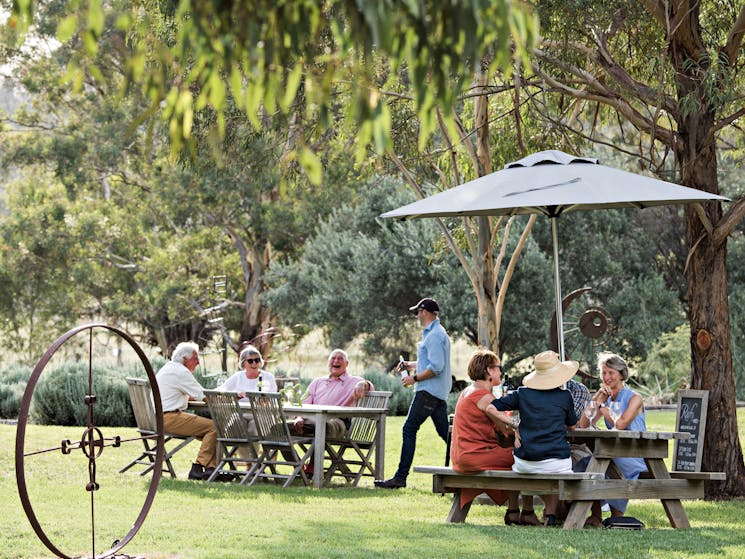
{"points": [[551, 183]]}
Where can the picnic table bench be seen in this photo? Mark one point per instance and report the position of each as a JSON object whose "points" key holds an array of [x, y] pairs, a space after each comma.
{"points": [[669, 487], [447, 480]]}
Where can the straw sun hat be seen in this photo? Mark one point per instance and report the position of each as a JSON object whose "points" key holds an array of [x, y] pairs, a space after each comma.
{"points": [[550, 372]]}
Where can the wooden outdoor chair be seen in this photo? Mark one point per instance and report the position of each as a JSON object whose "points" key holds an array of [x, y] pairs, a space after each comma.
{"points": [[351, 456], [278, 447], [142, 405], [234, 438]]}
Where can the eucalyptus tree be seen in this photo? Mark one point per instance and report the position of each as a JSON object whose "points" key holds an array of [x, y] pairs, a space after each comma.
{"points": [[669, 75], [266, 56]]}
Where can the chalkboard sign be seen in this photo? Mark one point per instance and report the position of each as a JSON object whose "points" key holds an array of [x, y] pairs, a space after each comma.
{"points": [[691, 418]]}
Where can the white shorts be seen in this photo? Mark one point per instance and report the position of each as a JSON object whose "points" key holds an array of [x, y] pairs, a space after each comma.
{"points": [[547, 466]]}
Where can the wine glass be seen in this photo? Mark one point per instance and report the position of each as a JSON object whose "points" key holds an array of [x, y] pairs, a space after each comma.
{"points": [[615, 411], [515, 419], [590, 412]]}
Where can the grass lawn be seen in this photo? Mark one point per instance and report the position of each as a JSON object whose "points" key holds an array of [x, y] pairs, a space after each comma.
{"points": [[197, 520]]}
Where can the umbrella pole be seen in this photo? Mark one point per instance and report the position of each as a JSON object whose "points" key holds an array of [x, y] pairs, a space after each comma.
{"points": [[557, 287]]}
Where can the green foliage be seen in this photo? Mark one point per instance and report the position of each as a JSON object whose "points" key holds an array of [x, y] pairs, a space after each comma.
{"points": [[627, 257], [59, 397], [293, 393], [401, 397], [736, 273], [13, 382], [136, 236], [270, 57], [359, 274], [38, 259], [667, 367]]}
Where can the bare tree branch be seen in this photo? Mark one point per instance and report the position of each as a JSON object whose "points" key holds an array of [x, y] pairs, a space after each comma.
{"points": [[600, 93], [734, 39], [729, 221], [508, 273]]}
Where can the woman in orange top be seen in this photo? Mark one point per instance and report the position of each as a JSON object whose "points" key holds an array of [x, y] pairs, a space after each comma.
{"points": [[479, 444]]}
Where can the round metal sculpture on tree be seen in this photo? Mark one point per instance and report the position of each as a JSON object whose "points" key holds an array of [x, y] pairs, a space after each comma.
{"points": [[586, 331], [85, 460]]}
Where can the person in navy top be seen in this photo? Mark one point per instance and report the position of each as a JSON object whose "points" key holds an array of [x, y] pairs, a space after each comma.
{"points": [[546, 412]]}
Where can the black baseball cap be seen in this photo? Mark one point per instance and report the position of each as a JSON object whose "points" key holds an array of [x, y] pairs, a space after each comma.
{"points": [[426, 304]]}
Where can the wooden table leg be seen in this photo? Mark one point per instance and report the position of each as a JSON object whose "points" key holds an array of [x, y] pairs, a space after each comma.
{"points": [[458, 514], [319, 440], [380, 448], [580, 510], [673, 507]]}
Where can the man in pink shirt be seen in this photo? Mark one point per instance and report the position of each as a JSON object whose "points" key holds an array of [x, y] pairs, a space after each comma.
{"points": [[339, 388]]}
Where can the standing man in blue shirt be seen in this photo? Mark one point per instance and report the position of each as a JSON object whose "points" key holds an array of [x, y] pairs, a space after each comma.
{"points": [[432, 382]]}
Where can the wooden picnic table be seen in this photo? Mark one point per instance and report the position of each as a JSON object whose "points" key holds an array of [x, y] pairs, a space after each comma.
{"points": [[585, 487], [653, 446]]}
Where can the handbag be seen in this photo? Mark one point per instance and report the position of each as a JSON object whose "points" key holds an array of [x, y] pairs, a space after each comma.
{"points": [[623, 523]]}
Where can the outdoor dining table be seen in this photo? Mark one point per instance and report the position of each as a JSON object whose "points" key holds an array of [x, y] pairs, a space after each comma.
{"points": [[652, 446], [320, 414]]}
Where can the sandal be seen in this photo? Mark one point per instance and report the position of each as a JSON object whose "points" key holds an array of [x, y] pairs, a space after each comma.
{"points": [[528, 518], [512, 516], [593, 522]]}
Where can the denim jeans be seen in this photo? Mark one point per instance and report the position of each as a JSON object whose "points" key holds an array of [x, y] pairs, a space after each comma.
{"points": [[423, 405]]}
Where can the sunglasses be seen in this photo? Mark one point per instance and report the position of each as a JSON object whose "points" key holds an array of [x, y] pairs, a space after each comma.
{"points": [[249, 360]]}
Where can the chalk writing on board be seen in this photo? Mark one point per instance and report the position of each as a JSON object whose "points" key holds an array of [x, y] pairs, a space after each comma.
{"points": [[691, 419]]}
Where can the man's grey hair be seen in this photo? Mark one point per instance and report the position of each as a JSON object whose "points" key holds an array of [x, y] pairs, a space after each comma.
{"points": [[341, 351], [248, 352], [184, 351], [615, 362]]}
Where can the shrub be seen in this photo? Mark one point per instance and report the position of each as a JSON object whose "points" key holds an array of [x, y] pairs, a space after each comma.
{"points": [[13, 382], [59, 396], [401, 397]]}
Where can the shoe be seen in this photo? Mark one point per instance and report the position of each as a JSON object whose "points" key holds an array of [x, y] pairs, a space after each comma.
{"points": [[593, 522], [550, 520], [392, 483], [224, 478], [196, 472], [511, 516], [528, 518]]}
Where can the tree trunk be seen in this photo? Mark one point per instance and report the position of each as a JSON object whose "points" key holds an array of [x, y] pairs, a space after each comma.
{"points": [[711, 350], [486, 291], [255, 325]]}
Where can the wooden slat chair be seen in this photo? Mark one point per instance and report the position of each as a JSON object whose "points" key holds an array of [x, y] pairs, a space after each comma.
{"points": [[235, 441], [144, 411], [359, 442], [278, 447]]}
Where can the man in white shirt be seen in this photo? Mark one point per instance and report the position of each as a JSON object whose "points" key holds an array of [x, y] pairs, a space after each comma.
{"points": [[177, 387]]}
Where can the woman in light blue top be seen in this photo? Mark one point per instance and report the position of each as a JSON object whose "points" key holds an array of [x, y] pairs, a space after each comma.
{"points": [[615, 371]]}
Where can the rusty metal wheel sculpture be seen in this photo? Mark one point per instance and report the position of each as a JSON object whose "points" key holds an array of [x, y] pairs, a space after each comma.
{"points": [[586, 330], [92, 444]]}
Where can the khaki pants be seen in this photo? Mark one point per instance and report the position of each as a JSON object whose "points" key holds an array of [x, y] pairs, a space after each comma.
{"points": [[336, 428], [180, 423]]}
